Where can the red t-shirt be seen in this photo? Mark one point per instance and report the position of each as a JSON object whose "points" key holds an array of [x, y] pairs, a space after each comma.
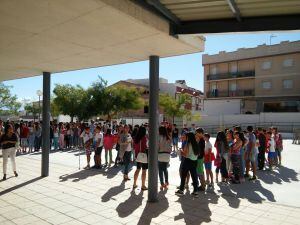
{"points": [[24, 132], [141, 146]]}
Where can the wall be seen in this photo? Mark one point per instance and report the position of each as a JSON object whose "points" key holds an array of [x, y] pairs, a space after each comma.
{"points": [[283, 119], [217, 107]]}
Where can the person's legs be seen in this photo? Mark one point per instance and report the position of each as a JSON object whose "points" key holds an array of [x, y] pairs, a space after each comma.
{"points": [[106, 155], [144, 174], [12, 156], [5, 154], [110, 156], [160, 173], [135, 177], [217, 174], [193, 172], [127, 156], [235, 160], [185, 170], [166, 174], [223, 169]]}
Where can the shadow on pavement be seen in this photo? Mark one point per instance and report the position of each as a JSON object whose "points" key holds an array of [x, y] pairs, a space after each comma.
{"points": [[279, 175], [20, 185], [196, 211], [153, 210], [77, 176], [114, 191], [127, 207]]}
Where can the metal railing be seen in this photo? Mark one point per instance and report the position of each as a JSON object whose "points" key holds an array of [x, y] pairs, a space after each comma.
{"points": [[238, 93], [221, 76]]}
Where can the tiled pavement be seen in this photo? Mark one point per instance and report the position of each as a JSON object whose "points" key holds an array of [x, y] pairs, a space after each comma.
{"points": [[72, 196]]}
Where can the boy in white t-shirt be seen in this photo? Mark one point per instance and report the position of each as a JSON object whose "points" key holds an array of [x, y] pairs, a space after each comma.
{"points": [[87, 137], [98, 140], [271, 148]]}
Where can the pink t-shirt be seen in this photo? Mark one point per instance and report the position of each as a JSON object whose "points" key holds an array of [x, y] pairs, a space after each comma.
{"points": [[108, 141]]}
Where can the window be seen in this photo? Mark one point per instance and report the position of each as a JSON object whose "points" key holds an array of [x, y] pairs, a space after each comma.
{"points": [[266, 85], [214, 70], [233, 68], [213, 86], [287, 84], [266, 65], [288, 63], [232, 87]]}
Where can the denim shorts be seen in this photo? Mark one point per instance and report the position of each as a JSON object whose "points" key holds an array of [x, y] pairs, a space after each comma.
{"points": [[208, 165], [272, 155]]}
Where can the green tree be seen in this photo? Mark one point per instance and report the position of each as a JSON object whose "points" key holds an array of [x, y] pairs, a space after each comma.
{"points": [[175, 107], [72, 100], [8, 102], [32, 108], [112, 100]]}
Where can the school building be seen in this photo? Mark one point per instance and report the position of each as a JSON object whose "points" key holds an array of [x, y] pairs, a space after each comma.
{"points": [[253, 80]]}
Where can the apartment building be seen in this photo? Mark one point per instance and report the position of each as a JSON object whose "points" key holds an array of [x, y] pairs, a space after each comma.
{"points": [[261, 79], [173, 89]]}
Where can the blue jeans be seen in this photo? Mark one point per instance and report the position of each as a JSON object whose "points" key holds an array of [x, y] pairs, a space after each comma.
{"points": [[242, 162], [55, 143], [126, 161], [163, 172]]}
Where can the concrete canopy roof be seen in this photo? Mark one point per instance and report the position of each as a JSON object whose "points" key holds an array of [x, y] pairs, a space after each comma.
{"points": [[64, 35], [187, 10]]}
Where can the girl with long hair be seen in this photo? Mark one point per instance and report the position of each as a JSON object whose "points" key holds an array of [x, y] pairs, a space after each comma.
{"points": [[164, 151], [141, 146], [191, 152], [222, 147]]}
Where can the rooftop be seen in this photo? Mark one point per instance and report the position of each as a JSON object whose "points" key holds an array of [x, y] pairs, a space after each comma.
{"points": [[284, 47]]}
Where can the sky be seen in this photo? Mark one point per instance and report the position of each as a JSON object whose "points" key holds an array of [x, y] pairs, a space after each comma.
{"points": [[186, 67]]}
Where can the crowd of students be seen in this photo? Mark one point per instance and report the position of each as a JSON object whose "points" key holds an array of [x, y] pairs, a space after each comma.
{"points": [[234, 154]]}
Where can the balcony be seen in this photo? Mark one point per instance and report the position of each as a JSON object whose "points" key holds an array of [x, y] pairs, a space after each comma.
{"points": [[222, 76], [238, 93]]}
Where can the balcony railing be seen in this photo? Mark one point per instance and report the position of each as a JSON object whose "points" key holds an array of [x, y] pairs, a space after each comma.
{"points": [[238, 93], [222, 76]]}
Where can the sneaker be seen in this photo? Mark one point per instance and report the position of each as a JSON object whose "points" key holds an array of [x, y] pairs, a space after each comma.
{"points": [[195, 194], [201, 188], [87, 167], [144, 188], [235, 181], [179, 193], [252, 178]]}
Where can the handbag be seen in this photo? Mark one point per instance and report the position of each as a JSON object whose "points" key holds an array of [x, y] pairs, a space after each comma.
{"points": [[142, 156]]}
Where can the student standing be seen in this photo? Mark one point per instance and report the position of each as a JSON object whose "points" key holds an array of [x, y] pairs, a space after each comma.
{"points": [[271, 150], [98, 139], [141, 146], [236, 156], [87, 142], [199, 133], [175, 137], [278, 145], [191, 152], [8, 142], [126, 144], [208, 158], [108, 143], [222, 147], [164, 151], [251, 153]]}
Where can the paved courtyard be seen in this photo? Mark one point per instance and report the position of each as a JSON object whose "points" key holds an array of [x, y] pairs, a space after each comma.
{"points": [[73, 196]]}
